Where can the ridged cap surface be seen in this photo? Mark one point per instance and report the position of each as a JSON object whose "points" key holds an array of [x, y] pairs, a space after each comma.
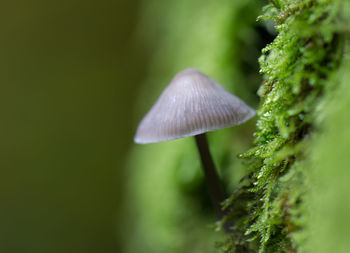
{"points": [[190, 105]]}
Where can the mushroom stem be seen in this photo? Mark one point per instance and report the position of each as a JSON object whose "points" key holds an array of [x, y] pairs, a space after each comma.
{"points": [[211, 176]]}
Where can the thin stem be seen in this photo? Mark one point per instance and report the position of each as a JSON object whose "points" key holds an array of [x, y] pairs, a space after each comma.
{"points": [[211, 176]]}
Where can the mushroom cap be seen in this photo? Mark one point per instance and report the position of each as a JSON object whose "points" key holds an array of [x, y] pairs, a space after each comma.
{"points": [[191, 104]]}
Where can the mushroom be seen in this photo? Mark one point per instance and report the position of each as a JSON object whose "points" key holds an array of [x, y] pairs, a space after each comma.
{"points": [[191, 105]]}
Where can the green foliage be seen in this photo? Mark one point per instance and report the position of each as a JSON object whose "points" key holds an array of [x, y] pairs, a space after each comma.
{"points": [[297, 67]]}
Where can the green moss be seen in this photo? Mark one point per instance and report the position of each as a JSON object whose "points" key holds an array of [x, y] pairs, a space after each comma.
{"points": [[328, 201], [297, 67]]}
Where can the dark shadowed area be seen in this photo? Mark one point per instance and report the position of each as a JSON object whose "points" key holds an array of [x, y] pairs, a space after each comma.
{"points": [[68, 73]]}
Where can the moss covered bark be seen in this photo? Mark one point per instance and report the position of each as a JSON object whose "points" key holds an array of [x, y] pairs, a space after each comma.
{"points": [[270, 210]]}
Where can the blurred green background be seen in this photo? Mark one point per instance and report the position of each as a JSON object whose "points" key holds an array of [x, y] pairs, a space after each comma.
{"points": [[76, 78], [69, 76]]}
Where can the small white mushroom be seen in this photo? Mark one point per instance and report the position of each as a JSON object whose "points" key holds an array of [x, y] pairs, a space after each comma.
{"points": [[191, 105]]}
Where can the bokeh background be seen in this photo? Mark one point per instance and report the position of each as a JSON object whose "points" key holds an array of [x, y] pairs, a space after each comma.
{"points": [[76, 78]]}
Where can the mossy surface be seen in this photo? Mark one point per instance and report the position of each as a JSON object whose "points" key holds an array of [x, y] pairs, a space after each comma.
{"points": [[297, 66]]}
